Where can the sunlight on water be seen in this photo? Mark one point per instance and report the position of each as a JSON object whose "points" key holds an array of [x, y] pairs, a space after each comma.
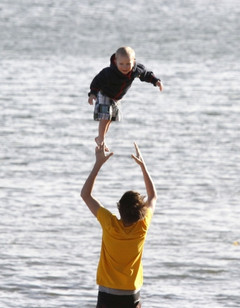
{"points": [[189, 136]]}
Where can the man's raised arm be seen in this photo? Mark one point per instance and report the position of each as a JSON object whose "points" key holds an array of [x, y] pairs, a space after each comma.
{"points": [[150, 187], [86, 192]]}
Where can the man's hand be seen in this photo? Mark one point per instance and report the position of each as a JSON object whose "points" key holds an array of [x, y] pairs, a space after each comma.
{"points": [[101, 156], [160, 85], [150, 188], [91, 98], [138, 157], [86, 192]]}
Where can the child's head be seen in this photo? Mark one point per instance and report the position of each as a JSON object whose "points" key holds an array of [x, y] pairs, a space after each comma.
{"points": [[132, 207], [125, 59]]}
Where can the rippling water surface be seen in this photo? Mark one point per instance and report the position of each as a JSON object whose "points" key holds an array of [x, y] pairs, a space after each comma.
{"points": [[189, 136]]}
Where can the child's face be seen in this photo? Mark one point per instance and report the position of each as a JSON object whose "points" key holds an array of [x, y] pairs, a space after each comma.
{"points": [[124, 64]]}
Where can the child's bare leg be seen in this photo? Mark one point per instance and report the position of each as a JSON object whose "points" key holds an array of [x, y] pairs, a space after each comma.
{"points": [[102, 130], [107, 127]]}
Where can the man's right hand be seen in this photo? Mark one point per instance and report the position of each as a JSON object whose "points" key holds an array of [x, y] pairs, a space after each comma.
{"points": [[138, 157]]}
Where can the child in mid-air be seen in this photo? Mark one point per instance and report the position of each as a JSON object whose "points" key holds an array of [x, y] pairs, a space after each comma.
{"points": [[111, 84]]}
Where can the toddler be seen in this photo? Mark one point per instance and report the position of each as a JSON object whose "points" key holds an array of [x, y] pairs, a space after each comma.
{"points": [[111, 84]]}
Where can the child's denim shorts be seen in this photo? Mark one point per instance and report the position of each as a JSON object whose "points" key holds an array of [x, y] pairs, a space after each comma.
{"points": [[106, 108]]}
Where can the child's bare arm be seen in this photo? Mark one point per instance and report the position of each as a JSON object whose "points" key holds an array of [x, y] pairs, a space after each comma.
{"points": [[150, 187]]}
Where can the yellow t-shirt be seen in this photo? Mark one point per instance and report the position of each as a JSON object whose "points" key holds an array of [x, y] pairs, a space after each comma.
{"points": [[120, 264]]}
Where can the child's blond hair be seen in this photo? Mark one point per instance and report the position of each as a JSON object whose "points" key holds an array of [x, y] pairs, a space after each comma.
{"points": [[125, 52]]}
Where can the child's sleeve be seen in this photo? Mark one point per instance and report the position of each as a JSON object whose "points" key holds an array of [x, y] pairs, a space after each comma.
{"points": [[97, 83], [145, 75]]}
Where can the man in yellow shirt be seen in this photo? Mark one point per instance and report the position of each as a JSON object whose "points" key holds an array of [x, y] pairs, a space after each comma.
{"points": [[120, 272]]}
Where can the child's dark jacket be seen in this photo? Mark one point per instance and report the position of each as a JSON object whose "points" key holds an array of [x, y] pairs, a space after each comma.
{"points": [[112, 83]]}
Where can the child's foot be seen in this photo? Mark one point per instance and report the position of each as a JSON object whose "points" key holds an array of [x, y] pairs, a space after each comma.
{"points": [[99, 142]]}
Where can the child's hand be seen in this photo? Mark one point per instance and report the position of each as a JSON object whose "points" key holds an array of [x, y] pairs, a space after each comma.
{"points": [[91, 98], [159, 84]]}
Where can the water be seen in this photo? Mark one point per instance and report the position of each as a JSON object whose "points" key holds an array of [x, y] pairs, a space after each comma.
{"points": [[189, 136]]}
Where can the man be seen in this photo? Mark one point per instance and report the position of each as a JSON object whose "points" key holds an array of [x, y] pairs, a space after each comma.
{"points": [[120, 272]]}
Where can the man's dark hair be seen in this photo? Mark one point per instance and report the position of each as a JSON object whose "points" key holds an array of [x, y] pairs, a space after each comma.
{"points": [[132, 207]]}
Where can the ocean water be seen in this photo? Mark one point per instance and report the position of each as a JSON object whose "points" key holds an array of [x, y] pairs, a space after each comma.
{"points": [[189, 136]]}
